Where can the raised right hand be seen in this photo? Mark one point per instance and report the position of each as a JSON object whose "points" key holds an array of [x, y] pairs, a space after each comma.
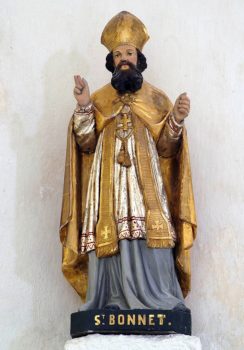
{"points": [[81, 91]]}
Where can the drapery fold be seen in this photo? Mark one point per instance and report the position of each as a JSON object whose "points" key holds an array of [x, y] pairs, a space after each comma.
{"points": [[152, 107]]}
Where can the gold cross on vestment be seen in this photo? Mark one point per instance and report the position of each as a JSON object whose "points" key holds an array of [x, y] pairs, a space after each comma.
{"points": [[157, 226], [125, 121], [105, 232]]}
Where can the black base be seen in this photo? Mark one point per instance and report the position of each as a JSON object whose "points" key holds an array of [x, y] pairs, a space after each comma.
{"points": [[137, 321]]}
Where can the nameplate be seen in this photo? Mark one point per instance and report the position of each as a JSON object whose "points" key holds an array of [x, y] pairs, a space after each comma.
{"points": [[137, 321]]}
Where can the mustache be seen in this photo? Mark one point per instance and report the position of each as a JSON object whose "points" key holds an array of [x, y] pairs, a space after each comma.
{"points": [[117, 70], [123, 62]]}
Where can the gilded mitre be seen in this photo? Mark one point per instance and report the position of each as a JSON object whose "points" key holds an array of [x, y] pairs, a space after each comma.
{"points": [[124, 28]]}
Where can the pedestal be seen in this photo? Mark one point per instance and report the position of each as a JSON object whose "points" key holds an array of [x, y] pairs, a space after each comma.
{"points": [[134, 342], [133, 321]]}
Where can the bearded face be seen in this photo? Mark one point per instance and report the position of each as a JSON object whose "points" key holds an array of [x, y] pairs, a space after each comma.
{"points": [[126, 77]]}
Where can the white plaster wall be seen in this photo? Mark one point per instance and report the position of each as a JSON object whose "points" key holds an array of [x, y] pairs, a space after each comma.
{"points": [[195, 46]]}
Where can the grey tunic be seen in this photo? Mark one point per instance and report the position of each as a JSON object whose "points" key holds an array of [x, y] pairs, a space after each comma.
{"points": [[137, 278]]}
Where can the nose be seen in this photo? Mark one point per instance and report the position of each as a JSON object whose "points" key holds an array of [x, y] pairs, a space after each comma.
{"points": [[123, 56]]}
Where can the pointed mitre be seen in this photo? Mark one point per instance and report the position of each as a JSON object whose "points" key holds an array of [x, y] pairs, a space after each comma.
{"points": [[124, 28]]}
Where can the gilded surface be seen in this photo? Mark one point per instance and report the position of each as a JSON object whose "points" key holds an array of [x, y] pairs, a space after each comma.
{"points": [[152, 108], [149, 103], [162, 237], [124, 28], [125, 137], [106, 239]]}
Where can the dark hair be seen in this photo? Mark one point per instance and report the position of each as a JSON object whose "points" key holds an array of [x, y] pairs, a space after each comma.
{"points": [[141, 61]]}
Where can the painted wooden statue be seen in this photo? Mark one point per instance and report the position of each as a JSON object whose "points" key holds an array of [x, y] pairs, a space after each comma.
{"points": [[128, 218]]}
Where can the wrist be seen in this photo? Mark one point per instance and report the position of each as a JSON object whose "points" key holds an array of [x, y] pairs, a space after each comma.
{"points": [[83, 105], [87, 108], [175, 126], [177, 121]]}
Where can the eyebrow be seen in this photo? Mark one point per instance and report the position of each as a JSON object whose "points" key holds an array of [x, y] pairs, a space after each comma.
{"points": [[127, 50]]}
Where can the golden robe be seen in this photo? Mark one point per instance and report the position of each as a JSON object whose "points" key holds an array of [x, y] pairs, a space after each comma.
{"points": [[151, 108]]}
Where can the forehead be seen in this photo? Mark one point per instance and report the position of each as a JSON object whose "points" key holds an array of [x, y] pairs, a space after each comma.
{"points": [[123, 48]]}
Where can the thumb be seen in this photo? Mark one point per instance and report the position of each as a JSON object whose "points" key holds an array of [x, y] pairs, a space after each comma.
{"points": [[183, 94]]}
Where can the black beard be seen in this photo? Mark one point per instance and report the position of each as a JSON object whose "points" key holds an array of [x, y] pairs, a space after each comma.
{"points": [[129, 80]]}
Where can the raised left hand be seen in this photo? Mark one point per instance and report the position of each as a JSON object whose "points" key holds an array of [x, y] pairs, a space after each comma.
{"points": [[182, 107]]}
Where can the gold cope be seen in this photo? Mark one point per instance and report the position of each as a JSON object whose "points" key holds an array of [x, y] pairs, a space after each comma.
{"points": [[150, 108]]}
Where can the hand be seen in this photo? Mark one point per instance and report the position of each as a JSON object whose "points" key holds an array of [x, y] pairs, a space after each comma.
{"points": [[182, 107], [81, 91]]}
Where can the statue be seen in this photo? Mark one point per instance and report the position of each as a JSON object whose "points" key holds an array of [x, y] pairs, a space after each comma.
{"points": [[128, 218]]}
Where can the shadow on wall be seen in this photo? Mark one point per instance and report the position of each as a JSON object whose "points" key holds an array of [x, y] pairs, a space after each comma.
{"points": [[40, 170]]}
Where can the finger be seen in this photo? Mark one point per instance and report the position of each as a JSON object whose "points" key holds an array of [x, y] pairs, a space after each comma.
{"points": [[77, 82], [184, 104], [184, 99], [181, 98], [77, 91], [85, 83], [184, 94], [183, 110], [82, 82], [184, 107]]}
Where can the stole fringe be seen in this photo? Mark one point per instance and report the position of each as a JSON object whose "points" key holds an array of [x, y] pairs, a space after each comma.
{"points": [[160, 243], [106, 250]]}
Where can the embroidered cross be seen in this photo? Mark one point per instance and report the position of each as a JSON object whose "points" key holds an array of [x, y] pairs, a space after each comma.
{"points": [[105, 232], [125, 121], [157, 226]]}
